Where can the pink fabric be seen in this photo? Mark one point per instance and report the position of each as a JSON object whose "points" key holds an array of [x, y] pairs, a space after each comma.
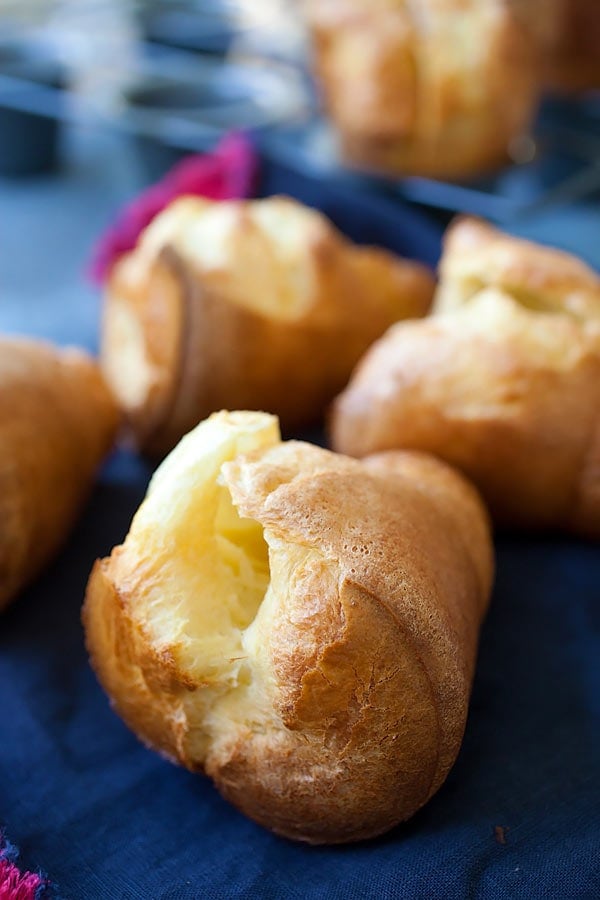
{"points": [[16, 885], [229, 172]]}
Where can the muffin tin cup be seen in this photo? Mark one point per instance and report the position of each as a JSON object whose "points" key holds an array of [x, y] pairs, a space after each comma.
{"points": [[31, 98], [171, 110], [211, 29]]}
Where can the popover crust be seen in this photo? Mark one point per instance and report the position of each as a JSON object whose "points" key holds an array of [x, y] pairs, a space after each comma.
{"points": [[503, 381], [57, 421]]}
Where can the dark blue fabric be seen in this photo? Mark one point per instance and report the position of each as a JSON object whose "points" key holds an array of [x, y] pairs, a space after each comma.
{"points": [[366, 217], [107, 819]]}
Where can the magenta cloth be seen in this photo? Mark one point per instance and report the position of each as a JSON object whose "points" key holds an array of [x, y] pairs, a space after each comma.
{"points": [[15, 884], [228, 173]]}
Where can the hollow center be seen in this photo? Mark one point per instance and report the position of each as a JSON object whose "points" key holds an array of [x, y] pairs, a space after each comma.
{"points": [[235, 583], [203, 569]]}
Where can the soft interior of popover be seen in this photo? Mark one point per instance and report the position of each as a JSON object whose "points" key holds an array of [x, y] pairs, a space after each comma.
{"points": [[198, 570]]}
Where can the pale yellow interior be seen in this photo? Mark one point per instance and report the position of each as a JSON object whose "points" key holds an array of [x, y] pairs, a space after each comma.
{"points": [[201, 570], [199, 578]]}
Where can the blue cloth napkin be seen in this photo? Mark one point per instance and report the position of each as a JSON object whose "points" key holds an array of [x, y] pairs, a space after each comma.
{"points": [[518, 816]]}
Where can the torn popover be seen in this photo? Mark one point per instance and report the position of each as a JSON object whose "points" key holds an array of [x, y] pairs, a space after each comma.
{"points": [[245, 304], [300, 626]]}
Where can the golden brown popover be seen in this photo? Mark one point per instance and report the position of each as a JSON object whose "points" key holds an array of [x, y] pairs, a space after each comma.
{"points": [[567, 33], [245, 304], [299, 625], [437, 88], [57, 421], [503, 381]]}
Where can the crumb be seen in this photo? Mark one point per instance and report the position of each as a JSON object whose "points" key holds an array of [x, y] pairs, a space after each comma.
{"points": [[500, 834]]}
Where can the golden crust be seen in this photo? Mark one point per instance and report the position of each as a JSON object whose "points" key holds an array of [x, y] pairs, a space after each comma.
{"points": [[435, 88], [573, 60], [256, 305], [540, 278], [57, 421], [567, 33], [503, 382], [364, 644]]}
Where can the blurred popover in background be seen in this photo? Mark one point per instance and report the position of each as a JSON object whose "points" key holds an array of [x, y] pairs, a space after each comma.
{"points": [[437, 88], [567, 33]]}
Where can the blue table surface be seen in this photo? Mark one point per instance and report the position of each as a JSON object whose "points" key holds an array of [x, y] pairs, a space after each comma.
{"points": [[105, 818]]}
